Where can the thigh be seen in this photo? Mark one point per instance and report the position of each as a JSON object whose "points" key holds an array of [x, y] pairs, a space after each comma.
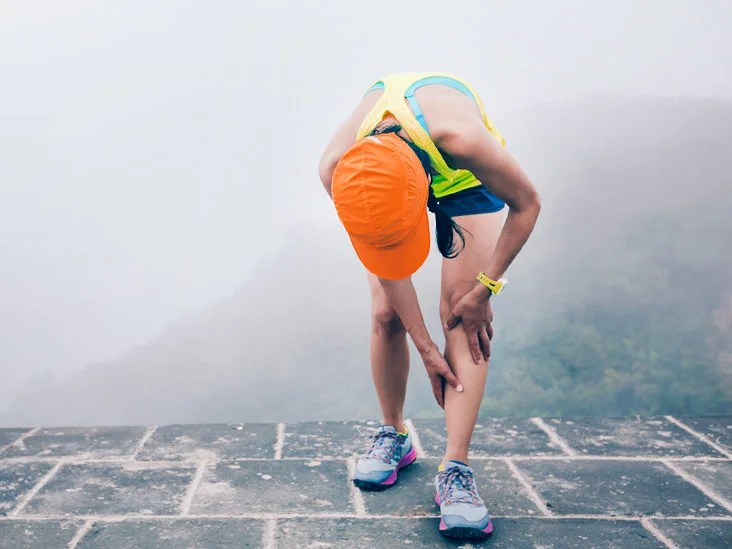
{"points": [[458, 274]]}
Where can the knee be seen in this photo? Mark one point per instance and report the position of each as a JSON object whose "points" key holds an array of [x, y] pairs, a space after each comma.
{"points": [[449, 299], [385, 321]]}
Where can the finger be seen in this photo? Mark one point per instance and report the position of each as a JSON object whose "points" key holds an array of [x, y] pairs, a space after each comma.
{"points": [[452, 380], [485, 343], [489, 329], [475, 346], [437, 390], [452, 321]]}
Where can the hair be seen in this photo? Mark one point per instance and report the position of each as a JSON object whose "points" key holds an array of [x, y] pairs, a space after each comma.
{"points": [[445, 227]]}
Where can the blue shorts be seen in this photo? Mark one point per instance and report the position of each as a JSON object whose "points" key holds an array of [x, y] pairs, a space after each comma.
{"points": [[472, 201]]}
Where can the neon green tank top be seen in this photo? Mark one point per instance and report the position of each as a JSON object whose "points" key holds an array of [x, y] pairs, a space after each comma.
{"points": [[399, 101]]}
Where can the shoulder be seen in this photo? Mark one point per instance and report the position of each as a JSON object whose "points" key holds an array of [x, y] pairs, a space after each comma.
{"points": [[455, 121], [345, 135], [448, 111]]}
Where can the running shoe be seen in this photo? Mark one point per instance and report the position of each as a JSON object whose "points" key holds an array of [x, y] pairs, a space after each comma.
{"points": [[390, 451], [463, 513]]}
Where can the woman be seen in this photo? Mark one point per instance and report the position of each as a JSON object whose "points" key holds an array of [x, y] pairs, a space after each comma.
{"points": [[419, 141]]}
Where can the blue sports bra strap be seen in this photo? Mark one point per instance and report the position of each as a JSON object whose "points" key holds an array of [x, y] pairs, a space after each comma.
{"points": [[417, 111], [378, 86], [444, 80]]}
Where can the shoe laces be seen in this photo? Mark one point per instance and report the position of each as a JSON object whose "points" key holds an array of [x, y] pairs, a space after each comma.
{"points": [[459, 486], [384, 445]]}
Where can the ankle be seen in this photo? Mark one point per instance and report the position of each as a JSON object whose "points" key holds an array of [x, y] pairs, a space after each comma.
{"points": [[397, 424], [462, 457]]}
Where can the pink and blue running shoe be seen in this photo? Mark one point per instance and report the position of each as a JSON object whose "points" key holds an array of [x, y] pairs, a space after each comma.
{"points": [[390, 451], [463, 513]]}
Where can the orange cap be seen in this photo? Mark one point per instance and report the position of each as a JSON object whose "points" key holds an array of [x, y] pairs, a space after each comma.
{"points": [[380, 191]]}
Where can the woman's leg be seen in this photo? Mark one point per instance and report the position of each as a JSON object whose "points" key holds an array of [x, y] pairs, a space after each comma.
{"points": [[389, 356], [458, 277]]}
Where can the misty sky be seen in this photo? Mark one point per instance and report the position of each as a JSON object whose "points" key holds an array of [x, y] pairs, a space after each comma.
{"points": [[152, 153]]}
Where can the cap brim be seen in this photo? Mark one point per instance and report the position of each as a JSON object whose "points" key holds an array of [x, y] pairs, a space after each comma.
{"points": [[401, 261]]}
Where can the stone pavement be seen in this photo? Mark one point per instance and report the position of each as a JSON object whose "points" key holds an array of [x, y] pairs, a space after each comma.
{"points": [[659, 482]]}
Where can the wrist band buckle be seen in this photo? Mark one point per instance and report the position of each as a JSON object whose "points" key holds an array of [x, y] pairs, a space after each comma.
{"points": [[495, 286]]}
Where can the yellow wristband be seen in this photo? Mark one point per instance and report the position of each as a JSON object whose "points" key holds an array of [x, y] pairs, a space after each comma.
{"points": [[495, 286]]}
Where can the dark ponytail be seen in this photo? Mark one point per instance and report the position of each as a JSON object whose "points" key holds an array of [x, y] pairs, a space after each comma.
{"points": [[445, 227]]}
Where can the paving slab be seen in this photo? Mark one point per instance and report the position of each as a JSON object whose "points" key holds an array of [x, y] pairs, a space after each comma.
{"points": [[276, 486], [422, 533], [86, 442], [8, 436], [203, 533], [414, 493], [226, 441], [719, 429], [320, 439], [574, 533], [615, 487], [138, 501], [697, 534], [16, 480], [36, 534], [112, 489], [629, 437], [491, 437], [715, 474]]}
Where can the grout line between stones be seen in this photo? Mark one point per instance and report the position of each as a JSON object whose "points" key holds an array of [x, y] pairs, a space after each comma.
{"points": [[148, 433], [368, 516], [269, 538], [533, 494], [37, 488], [359, 505], [280, 441], [553, 436], [706, 490], [185, 505], [415, 439], [704, 438], [80, 533], [656, 533], [20, 439], [84, 460]]}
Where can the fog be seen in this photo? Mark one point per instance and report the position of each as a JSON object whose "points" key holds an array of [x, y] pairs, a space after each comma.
{"points": [[155, 156]]}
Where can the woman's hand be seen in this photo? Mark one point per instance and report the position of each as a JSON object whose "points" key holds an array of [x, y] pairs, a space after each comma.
{"points": [[439, 372], [474, 312], [403, 298]]}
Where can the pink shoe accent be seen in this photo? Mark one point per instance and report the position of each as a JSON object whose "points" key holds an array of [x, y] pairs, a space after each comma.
{"points": [[437, 499], [443, 526], [408, 458]]}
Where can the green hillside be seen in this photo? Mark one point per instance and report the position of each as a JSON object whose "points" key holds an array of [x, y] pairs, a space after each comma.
{"points": [[620, 304]]}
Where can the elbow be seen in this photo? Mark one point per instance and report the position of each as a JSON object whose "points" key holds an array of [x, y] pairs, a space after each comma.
{"points": [[529, 204], [533, 208], [535, 204]]}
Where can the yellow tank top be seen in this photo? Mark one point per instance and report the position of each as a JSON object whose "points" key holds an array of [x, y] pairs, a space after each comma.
{"points": [[399, 101]]}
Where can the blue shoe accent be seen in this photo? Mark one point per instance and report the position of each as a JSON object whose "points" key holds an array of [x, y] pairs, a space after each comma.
{"points": [[390, 451], [463, 513]]}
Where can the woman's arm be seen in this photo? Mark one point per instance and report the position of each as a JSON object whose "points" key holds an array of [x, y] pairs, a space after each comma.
{"points": [[403, 298], [472, 147], [459, 131]]}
